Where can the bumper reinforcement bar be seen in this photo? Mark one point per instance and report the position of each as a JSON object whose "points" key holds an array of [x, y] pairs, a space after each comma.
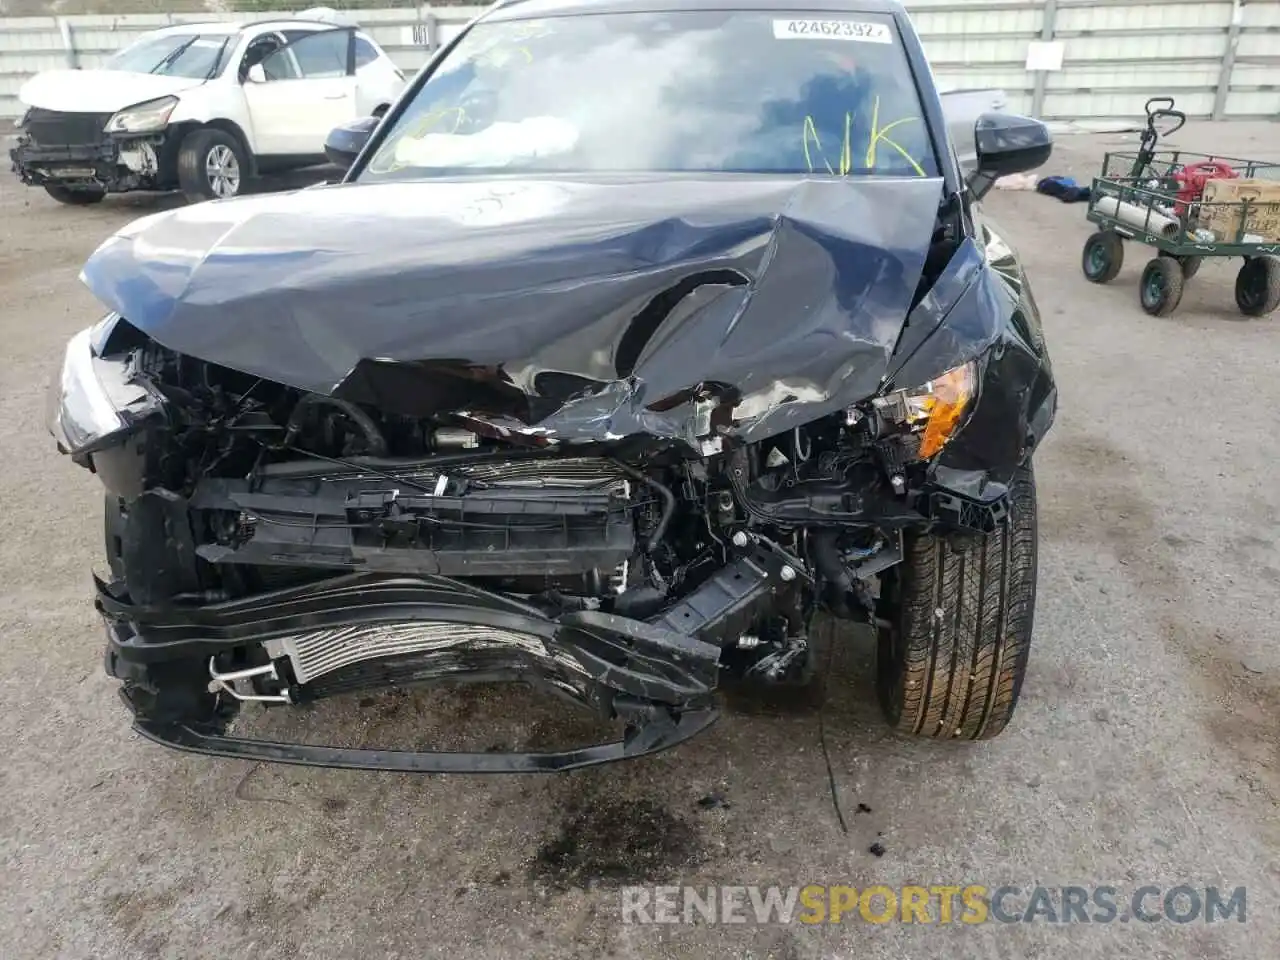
{"points": [[659, 733]]}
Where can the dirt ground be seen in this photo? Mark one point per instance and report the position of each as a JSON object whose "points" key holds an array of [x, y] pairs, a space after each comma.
{"points": [[1144, 752]]}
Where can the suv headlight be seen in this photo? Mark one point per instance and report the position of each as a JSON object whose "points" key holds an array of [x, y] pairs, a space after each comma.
{"points": [[80, 412], [142, 117], [91, 399], [934, 409]]}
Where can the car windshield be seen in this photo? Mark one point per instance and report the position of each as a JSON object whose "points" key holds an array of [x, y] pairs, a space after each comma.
{"points": [[197, 56], [687, 91]]}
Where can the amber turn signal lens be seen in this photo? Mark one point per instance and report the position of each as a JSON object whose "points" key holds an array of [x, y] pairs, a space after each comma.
{"points": [[948, 397]]}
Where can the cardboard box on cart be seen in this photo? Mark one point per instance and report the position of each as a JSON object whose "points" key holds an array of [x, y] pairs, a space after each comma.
{"points": [[1222, 210]]}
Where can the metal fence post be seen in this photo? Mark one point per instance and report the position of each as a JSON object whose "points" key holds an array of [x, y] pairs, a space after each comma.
{"points": [[1048, 23], [1228, 60], [68, 43]]}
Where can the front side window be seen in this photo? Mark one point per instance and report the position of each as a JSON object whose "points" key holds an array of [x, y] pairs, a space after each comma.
{"points": [[686, 91], [197, 56], [259, 49]]}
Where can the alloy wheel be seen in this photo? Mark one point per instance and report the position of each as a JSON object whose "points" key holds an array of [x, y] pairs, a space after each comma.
{"points": [[223, 170]]}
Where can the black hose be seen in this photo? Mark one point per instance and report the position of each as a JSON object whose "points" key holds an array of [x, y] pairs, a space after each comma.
{"points": [[377, 442], [831, 566], [668, 503]]}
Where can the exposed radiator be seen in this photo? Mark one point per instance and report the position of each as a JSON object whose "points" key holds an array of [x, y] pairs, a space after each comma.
{"points": [[576, 472], [321, 652]]}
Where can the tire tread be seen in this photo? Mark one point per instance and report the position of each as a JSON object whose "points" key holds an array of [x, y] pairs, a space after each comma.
{"points": [[1270, 269], [961, 672], [192, 180]]}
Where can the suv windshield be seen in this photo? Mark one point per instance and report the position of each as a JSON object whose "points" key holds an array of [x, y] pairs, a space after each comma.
{"points": [[689, 91], [197, 56]]}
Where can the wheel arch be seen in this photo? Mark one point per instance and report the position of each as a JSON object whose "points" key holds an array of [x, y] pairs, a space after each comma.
{"points": [[181, 131]]}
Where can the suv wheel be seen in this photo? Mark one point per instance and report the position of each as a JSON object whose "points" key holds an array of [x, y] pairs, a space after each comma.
{"points": [[74, 196], [211, 165], [956, 629]]}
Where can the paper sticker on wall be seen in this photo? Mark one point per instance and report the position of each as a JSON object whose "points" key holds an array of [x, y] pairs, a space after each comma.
{"points": [[1044, 55]]}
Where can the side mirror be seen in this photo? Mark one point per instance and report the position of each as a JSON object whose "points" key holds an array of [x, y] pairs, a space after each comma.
{"points": [[1005, 144], [257, 74], [345, 142]]}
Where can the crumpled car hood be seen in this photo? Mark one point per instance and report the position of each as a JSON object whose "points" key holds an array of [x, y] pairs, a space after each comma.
{"points": [[581, 310]]}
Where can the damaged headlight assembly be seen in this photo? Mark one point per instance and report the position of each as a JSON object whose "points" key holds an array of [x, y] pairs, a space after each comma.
{"points": [[80, 410], [146, 117], [91, 400], [933, 411]]}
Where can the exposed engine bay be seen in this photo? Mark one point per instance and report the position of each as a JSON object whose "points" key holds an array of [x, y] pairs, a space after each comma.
{"points": [[623, 575], [618, 465]]}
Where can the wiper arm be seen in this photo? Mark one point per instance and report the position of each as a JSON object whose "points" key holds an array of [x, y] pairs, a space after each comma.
{"points": [[173, 55], [217, 60]]}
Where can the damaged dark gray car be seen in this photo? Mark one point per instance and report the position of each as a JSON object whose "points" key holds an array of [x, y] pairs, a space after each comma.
{"points": [[637, 336]]}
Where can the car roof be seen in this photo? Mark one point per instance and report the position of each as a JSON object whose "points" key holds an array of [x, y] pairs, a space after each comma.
{"points": [[200, 27], [521, 9], [285, 23], [219, 27]]}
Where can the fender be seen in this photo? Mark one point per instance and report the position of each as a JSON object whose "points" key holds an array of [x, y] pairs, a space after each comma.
{"points": [[216, 104]]}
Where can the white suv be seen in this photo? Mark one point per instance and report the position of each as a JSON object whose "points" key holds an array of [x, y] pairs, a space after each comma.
{"points": [[200, 107]]}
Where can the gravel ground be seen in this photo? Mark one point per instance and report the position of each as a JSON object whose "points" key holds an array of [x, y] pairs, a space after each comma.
{"points": [[1145, 749]]}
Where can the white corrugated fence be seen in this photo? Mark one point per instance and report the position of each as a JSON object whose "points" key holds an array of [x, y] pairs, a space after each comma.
{"points": [[1218, 58]]}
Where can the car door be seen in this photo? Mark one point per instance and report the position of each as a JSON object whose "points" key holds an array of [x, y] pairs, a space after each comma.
{"points": [[299, 93], [378, 81]]}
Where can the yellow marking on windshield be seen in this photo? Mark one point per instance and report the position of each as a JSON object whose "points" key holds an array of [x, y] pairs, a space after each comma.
{"points": [[531, 30], [429, 121], [497, 55], [878, 134], [511, 41], [420, 129], [846, 154], [811, 130]]}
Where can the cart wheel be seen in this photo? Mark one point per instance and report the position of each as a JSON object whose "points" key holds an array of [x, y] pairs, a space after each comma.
{"points": [[1258, 286], [1103, 256], [1190, 265], [1160, 288]]}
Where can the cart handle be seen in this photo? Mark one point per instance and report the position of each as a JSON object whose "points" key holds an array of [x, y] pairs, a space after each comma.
{"points": [[1163, 108], [1176, 114]]}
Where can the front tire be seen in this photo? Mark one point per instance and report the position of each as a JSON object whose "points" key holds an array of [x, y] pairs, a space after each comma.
{"points": [[74, 196], [212, 165], [1102, 257], [953, 649], [1160, 289]]}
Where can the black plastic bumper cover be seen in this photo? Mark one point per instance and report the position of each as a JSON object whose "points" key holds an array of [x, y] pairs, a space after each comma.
{"points": [[39, 165], [640, 740], [657, 680]]}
